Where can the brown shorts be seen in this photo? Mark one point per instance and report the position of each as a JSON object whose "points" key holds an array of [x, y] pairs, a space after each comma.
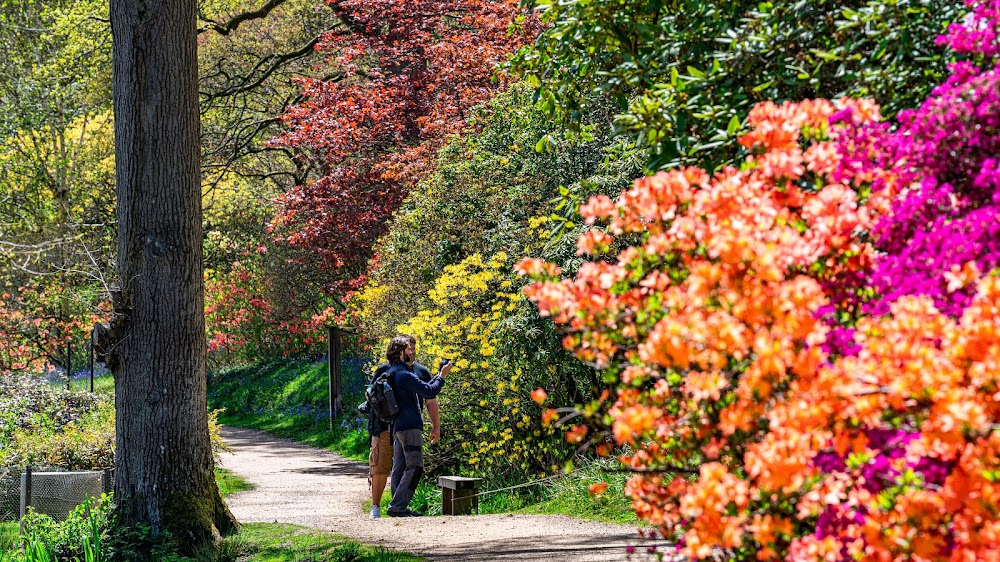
{"points": [[380, 457]]}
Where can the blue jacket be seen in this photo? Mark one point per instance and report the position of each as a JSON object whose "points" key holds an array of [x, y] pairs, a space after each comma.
{"points": [[409, 388], [377, 426]]}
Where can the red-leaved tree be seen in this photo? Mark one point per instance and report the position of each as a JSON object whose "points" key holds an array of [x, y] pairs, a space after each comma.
{"points": [[407, 74]]}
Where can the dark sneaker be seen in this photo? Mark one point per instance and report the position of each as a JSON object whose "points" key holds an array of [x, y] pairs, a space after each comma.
{"points": [[406, 513]]}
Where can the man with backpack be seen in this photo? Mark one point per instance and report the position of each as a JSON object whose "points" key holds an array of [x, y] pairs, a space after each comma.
{"points": [[407, 430], [382, 459]]}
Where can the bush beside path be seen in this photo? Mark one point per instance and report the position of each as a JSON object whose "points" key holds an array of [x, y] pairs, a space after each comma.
{"points": [[316, 488]]}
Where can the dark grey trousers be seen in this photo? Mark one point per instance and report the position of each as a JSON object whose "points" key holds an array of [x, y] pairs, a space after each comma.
{"points": [[407, 467]]}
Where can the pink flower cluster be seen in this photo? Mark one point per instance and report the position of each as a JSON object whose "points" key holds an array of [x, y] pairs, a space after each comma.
{"points": [[945, 174]]}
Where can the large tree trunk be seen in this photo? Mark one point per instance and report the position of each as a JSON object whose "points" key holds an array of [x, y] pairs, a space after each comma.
{"points": [[163, 458]]}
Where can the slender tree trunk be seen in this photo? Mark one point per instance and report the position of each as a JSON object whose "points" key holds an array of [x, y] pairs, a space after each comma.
{"points": [[163, 458]]}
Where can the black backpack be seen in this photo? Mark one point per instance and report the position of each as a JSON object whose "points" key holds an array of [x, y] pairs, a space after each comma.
{"points": [[381, 397]]}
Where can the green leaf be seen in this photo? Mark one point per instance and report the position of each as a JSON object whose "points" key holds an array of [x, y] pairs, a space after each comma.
{"points": [[734, 125]]}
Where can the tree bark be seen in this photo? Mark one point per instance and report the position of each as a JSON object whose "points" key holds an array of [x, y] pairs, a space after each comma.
{"points": [[163, 460]]}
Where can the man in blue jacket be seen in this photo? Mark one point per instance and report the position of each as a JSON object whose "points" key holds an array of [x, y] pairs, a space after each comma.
{"points": [[408, 428], [380, 461]]}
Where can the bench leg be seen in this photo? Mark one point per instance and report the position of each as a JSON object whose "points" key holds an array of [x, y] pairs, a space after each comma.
{"points": [[447, 505], [465, 502]]}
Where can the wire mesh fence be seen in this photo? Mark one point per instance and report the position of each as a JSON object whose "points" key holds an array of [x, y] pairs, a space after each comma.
{"points": [[10, 493], [53, 492]]}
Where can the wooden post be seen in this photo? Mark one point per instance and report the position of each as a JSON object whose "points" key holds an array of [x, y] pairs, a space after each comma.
{"points": [[90, 361], [107, 484], [333, 371], [69, 362], [25, 495]]}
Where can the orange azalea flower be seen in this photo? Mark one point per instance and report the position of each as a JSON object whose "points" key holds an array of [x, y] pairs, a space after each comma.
{"points": [[598, 488], [577, 433], [539, 395], [549, 416]]}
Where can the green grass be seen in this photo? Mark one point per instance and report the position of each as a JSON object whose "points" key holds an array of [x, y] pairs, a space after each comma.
{"points": [[9, 538], [277, 542], [104, 384], [271, 542], [290, 399], [570, 495], [230, 482]]}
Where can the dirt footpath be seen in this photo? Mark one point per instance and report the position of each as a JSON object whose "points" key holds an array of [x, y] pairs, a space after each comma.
{"points": [[317, 488]]}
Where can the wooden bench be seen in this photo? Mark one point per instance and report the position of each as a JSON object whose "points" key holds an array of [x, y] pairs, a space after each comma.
{"points": [[459, 495]]}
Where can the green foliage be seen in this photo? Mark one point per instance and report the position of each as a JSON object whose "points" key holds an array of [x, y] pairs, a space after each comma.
{"points": [[259, 542], [103, 384], [486, 189], [56, 175], [47, 426], [276, 386], [230, 482], [10, 537], [685, 72], [570, 494], [490, 426], [443, 275], [560, 494], [79, 537]]}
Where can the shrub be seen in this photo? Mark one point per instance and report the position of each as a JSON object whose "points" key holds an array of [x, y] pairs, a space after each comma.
{"points": [[79, 536], [71, 430], [701, 329], [489, 423], [942, 159], [51, 427], [684, 72], [753, 433], [482, 198]]}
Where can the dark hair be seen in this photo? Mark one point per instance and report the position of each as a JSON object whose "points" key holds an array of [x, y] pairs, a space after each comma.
{"points": [[410, 339], [396, 347]]}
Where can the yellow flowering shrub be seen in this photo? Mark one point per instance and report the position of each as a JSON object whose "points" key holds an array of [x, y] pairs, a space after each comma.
{"points": [[490, 425]]}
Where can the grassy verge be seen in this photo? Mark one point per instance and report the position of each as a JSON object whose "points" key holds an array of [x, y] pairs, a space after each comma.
{"points": [[103, 384], [290, 400], [276, 542], [230, 482], [570, 495], [270, 542]]}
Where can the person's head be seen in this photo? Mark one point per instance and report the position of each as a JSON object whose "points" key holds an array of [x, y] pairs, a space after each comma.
{"points": [[399, 350], [412, 350]]}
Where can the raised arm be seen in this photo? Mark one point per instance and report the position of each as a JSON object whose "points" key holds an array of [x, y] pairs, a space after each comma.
{"points": [[428, 389]]}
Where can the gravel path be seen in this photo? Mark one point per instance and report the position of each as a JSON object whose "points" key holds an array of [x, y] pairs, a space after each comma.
{"points": [[317, 488]]}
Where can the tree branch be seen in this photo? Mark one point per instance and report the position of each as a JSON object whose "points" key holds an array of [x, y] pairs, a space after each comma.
{"points": [[232, 24], [279, 60]]}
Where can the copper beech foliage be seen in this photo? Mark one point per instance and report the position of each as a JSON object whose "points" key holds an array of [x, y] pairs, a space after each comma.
{"points": [[408, 71], [701, 309]]}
